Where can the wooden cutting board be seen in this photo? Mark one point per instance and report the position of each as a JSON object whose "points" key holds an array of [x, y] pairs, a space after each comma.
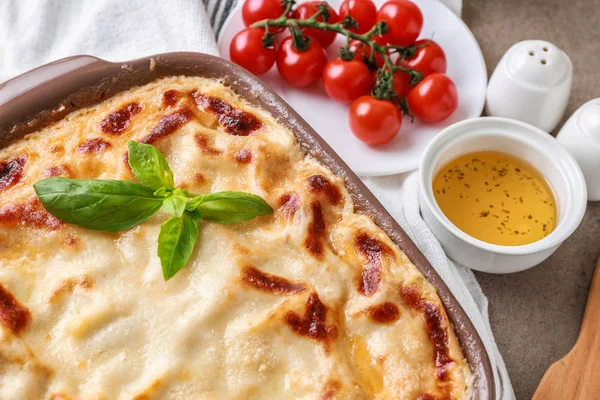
{"points": [[577, 375]]}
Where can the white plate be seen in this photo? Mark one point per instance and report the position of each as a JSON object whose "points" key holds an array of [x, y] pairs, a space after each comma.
{"points": [[329, 118]]}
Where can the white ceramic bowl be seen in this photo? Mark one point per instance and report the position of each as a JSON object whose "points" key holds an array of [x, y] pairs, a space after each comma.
{"points": [[521, 140]]}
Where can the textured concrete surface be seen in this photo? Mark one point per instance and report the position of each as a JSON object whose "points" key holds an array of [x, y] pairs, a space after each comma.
{"points": [[536, 314]]}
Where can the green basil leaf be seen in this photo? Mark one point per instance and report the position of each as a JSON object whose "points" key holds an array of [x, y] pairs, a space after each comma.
{"points": [[194, 213], [163, 192], [105, 205], [149, 166], [188, 194], [193, 203], [175, 204], [176, 241], [230, 207]]}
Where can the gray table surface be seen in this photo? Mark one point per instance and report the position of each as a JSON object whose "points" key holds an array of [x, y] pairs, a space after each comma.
{"points": [[536, 314]]}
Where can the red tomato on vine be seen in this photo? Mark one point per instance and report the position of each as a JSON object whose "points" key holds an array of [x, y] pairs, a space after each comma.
{"points": [[404, 20], [346, 80], [247, 50], [434, 98], [429, 58], [374, 121], [401, 83], [362, 51], [258, 10], [306, 11], [363, 11], [300, 68]]}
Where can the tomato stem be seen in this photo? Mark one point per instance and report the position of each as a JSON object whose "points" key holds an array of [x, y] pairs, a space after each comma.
{"points": [[299, 39], [322, 11]]}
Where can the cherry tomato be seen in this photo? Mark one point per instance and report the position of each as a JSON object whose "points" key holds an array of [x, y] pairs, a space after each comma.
{"points": [[363, 11], [346, 80], [428, 59], [300, 68], [401, 84], [246, 49], [257, 10], [307, 10], [379, 40], [404, 20], [434, 98], [374, 121], [373, 77], [362, 52]]}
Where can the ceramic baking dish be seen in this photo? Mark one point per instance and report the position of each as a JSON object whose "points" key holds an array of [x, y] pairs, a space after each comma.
{"points": [[48, 93]]}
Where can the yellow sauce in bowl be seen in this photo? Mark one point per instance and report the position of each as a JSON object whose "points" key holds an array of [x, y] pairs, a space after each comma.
{"points": [[496, 198]]}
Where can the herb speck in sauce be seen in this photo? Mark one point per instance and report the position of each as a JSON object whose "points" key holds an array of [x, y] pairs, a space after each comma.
{"points": [[532, 205]]}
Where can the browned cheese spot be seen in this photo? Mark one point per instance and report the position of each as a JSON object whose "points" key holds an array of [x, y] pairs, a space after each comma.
{"points": [[70, 240], [331, 388], [13, 315], [125, 159], [411, 294], [269, 283], [233, 120], [116, 122], [240, 249], [57, 170], [435, 322], [428, 396], [204, 146], [319, 184], [384, 313], [243, 156], [150, 392], [168, 124], [197, 177], [171, 97], [372, 251], [316, 232], [68, 285], [289, 203], [93, 146], [11, 171], [31, 213], [313, 324]]}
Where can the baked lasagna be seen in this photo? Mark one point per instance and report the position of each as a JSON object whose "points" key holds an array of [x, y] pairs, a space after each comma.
{"points": [[311, 302]]}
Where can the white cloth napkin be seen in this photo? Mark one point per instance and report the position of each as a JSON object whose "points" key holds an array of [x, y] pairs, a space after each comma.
{"points": [[35, 32]]}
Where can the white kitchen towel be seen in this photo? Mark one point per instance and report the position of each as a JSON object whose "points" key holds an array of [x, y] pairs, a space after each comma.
{"points": [[35, 32]]}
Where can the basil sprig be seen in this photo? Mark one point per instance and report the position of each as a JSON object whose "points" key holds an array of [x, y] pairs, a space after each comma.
{"points": [[98, 204], [176, 241], [149, 166], [113, 205], [229, 207]]}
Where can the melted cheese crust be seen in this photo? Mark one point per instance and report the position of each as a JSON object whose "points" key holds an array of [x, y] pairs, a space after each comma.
{"points": [[312, 302]]}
